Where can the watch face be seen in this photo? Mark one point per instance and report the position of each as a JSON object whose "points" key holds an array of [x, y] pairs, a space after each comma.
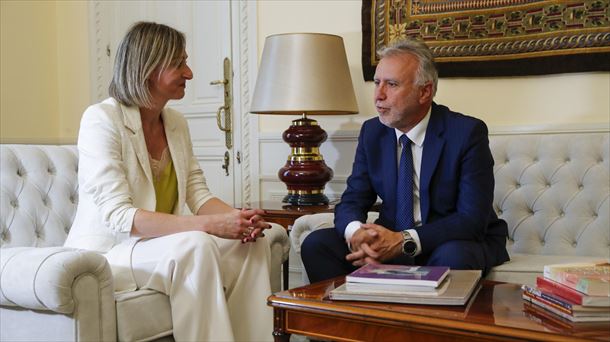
{"points": [[409, 247]]}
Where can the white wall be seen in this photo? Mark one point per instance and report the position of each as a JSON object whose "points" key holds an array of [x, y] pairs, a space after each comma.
{"points": [[44, 70]]}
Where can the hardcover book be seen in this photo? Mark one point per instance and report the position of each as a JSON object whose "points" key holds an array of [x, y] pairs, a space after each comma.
{"points": [[461, 286], [565, 305], [595, 317], [576, 297], [401, 289], [555, 322], [430, 276], [591, 279]]}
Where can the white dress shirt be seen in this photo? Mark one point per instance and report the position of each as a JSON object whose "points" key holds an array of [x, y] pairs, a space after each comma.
{"points": [[417, 135]]}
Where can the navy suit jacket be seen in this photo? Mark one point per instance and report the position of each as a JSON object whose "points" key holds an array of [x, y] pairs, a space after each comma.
{"points": [[456, 184]]}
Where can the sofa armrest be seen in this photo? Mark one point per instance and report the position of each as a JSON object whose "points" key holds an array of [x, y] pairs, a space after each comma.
{"points": [[308, 223], [45, 278], [277, 237]]}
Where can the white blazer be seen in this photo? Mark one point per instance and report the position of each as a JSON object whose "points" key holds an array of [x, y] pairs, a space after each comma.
{"points": [[115, 179]]}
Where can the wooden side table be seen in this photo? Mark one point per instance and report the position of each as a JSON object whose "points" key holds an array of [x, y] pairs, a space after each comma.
{"points": [[285, 214]]}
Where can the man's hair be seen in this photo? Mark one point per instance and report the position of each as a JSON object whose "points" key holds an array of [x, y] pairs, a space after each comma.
{"points": [[145, 47], [426, 72]]}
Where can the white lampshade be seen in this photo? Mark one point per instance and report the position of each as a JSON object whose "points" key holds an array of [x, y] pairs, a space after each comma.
{"points": [[304, 73]]}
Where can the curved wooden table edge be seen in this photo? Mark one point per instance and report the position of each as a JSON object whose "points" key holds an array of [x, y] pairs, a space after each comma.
{"points": [[400, 319]]}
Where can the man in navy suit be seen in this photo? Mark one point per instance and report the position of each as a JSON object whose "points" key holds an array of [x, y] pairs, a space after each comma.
{"points": [[442, 213]]}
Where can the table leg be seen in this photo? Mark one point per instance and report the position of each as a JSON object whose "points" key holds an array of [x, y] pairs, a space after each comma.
{"points": [[279, 332], [285, 274], [286, 265]]}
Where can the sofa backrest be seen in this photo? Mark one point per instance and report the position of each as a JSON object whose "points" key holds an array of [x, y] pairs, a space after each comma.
{"points": [[552, 189], [39, 194], [554, 192]]}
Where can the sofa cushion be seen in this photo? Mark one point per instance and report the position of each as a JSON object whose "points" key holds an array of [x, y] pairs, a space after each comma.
{"points": [[152, 309]]}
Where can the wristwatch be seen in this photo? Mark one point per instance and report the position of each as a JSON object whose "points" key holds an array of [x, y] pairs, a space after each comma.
{"points": [[409, 246]]}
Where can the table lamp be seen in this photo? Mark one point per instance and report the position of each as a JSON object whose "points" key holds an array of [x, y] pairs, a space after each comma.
{"points": [[304, 74]]}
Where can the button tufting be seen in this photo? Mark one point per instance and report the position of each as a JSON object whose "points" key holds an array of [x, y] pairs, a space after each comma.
{"points": [[580, 187], [500, 212], [14, 203], [542, 242], [562, 214], [574, 244], [548, 185], [568, 160], [518, 185]]}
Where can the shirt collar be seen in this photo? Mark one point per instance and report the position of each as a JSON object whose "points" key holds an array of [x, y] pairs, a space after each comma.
{"points": [[417, 134]]}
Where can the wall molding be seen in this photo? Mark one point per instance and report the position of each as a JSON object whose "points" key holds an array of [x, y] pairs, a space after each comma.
{"points": [[344, 135], [550, 128], [247, 76], [338, 179], [340, 135], [279, 195]]}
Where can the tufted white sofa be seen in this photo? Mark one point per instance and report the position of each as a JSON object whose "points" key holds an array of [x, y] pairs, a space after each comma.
{"points": [[553, 190], [52, 293]]}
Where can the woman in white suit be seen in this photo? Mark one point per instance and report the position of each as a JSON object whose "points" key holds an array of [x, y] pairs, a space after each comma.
{"points": [[137, 174]]}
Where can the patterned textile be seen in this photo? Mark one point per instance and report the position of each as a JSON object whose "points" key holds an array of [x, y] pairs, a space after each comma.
{"points": [[493, 37]]}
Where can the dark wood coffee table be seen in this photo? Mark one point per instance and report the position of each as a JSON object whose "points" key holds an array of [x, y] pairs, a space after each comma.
{"points": [[497, 312]]}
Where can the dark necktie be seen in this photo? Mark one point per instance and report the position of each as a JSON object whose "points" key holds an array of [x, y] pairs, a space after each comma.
{"points": [[404, 187]]}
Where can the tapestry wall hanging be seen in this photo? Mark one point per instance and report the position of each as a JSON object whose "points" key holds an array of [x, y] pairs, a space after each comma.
{"points": [[493, 37]]}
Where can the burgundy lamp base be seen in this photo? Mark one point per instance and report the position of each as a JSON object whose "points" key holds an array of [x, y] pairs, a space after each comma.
{"points": [[305, 172]]}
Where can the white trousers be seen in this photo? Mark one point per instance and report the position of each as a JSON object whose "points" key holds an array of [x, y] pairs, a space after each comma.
{"points": [[217, 288]]}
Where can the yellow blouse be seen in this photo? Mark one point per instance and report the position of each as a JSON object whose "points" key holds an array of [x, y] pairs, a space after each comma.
{"points": [[165, 182]]}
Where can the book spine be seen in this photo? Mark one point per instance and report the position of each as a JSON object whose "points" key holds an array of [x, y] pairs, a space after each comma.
{"points": [[549, 298], [560, 290], [546, 318], [548, 303], [548, 307]]}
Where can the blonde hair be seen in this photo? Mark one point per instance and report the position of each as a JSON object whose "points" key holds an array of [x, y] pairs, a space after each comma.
{"points": [[145, 47], [426, 72]]}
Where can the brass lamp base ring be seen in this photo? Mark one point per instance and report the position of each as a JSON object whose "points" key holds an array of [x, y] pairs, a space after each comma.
{"points": [[306, 199]]}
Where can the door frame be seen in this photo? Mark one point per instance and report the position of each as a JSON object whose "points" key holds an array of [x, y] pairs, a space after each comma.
{"points": [[245, 64]]}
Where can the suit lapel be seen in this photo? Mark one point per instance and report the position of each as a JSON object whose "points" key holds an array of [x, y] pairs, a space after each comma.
{"points": [[433, 146], [389, 168], [133, 122]]}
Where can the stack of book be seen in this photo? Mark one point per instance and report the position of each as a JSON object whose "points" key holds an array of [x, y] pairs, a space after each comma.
{"points": [[408, 284], [576, 292]]}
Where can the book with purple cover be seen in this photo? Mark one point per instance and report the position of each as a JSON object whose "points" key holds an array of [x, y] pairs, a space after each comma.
{"points": [[399, 275]]}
